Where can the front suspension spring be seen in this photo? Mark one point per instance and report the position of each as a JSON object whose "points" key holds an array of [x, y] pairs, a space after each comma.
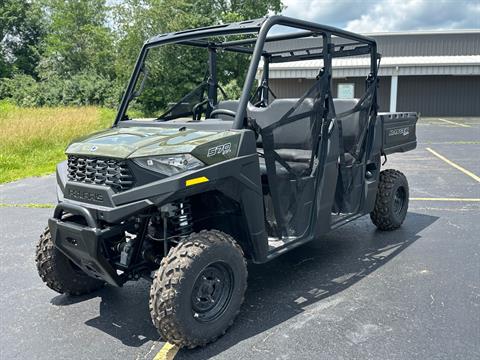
{"points": [[181, 219]]}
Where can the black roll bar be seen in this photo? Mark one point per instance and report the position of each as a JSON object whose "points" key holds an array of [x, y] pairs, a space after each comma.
{"points": [[198, 37]]}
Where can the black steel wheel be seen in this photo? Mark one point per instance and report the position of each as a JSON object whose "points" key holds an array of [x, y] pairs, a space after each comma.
{"points": [[399, 200], [391, 204], [199, 288], [212, 292]]}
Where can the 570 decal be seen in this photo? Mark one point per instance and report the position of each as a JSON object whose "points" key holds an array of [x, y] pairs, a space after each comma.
{"points": [[220, 150]]}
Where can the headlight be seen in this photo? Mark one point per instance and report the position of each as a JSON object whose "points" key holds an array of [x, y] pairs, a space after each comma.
{"points": [[169, 164]]}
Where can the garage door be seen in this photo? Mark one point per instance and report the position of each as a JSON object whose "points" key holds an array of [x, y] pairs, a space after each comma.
{"points": [[444, 95]]}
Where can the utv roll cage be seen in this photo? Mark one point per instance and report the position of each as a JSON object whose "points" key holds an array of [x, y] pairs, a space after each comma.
{"points": [[349, 44]]}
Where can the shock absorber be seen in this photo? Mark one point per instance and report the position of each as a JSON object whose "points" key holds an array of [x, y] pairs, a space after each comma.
{"points": [[176, 221], [182, 219]]}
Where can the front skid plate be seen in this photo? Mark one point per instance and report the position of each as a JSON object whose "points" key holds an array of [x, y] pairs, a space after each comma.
{"points": [[81, 244]]}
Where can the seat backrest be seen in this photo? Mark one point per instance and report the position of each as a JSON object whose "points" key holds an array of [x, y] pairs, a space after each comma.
{"points": [[351, 126], [227, 105], [295, 135]]}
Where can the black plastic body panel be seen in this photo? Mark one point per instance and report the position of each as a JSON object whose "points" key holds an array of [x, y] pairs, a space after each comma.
{"points": [[326, 185], [373, 167], [399, 131], [88, 193], [81, 244]]}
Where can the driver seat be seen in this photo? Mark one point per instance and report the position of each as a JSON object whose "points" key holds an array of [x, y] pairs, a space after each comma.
{"points": [[231, 105], [293, 141]]}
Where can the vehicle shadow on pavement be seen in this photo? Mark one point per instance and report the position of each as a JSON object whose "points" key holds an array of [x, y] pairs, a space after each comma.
{"points": [[283, 288], [277, 291], [123, 314]]}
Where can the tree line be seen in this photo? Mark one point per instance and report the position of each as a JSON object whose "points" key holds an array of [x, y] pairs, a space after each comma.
{"points": [[81, 52]]}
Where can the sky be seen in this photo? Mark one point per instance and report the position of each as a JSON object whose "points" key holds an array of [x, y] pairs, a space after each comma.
{"points": [[388, 15]]}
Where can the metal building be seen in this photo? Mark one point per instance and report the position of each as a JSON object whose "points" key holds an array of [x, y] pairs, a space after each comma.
{"points": [[435, 73]]}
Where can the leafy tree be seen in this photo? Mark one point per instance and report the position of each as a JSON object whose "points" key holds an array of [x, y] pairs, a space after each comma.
{"points": [[57, 52], [22, 28], [79, 39]]}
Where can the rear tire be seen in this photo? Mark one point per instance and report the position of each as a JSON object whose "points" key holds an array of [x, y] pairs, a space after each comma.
{"points": [[199, 288], [391, 204], [59, 273]]}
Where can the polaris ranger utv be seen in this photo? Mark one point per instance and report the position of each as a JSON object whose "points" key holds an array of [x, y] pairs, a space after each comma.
{"points": [[186, 198]]}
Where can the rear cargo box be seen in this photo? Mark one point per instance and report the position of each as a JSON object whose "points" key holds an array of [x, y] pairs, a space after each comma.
{"points": [[399, 131]]}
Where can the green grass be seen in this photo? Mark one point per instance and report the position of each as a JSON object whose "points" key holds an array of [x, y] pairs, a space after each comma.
{"points": [[33, 140]]}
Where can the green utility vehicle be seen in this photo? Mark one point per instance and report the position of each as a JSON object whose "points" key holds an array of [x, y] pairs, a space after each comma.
{"points": [[186, 198]]}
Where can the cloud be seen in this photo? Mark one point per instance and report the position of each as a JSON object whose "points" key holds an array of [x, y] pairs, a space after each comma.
{"points": [[328, 12], [388, 15]]}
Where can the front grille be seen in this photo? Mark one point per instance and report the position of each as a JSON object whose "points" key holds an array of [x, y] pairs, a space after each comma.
{"points": [[97, 171]]}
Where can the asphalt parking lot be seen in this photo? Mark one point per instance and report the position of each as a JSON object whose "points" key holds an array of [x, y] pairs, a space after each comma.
{"points": [[357, 293]]}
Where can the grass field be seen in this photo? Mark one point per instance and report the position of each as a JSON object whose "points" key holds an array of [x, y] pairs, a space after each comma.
{"points": [[33, 140]]}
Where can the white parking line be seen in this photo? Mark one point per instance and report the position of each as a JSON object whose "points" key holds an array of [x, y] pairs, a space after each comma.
{"points": [[445, 199], [451, 163], [454, 123]]}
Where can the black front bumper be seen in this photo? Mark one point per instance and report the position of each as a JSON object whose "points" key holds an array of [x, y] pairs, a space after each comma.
{"points": [[82, 244]]}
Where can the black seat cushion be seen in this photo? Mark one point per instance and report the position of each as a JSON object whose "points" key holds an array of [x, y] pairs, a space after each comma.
{"points": [[297, 159], [291, 154], [297, 155], [292, 141], [231, 105], [298, 168], [295, 135]]}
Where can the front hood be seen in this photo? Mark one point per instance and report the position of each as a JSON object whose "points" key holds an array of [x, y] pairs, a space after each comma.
{"points": [[143, 141]]}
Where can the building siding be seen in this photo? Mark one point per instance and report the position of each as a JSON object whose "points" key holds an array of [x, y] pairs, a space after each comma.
{"points": [[428, 95], [429, 45], [295, 88], [436, 89], [439, 95]]}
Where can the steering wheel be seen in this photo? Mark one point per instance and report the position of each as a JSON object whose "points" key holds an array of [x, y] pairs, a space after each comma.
{"points": [[223, 112], [197, 110]]}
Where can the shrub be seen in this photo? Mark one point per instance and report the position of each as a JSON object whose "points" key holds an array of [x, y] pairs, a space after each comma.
{"points": [[85, 88], [232, 89], [21, 89]]}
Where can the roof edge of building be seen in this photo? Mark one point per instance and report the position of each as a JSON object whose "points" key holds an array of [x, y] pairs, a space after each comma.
{"points": [[424, 32]]}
